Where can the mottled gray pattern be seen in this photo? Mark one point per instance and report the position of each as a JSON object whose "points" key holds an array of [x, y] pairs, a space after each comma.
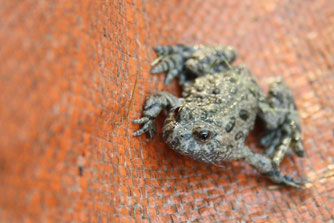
{"points": [[218, 109]]}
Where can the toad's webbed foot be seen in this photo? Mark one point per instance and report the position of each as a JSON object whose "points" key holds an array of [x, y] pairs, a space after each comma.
{"points": [[153, 106], [171, 60], [282, 122]]}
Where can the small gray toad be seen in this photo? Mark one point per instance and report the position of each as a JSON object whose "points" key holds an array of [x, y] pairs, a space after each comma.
{"points": [[218, 109]]}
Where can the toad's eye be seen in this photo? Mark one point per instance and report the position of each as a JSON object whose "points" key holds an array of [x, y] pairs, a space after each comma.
{"points": [[202, 135]]}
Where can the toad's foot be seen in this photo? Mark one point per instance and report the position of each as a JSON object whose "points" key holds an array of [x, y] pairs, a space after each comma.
{"points": [[278, 177], [153, 106], [279, 141], [266, 167], [171, 60], [147, 126], [186, 62]]}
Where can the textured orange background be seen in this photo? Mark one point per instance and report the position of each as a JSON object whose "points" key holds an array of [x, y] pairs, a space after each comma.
{"points": [[74, 74]]}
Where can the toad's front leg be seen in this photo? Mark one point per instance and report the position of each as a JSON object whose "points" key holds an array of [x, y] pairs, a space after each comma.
{"points": [[153, 106]]}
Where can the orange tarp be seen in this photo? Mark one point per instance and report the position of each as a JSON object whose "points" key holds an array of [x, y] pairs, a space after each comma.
{"points": [[73, 74]]}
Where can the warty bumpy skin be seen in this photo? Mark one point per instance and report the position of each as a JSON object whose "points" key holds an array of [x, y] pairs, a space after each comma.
{"points": [[218, 109]]}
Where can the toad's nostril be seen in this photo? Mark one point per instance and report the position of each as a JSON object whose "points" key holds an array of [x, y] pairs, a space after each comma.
{"points": [[186, 136]]}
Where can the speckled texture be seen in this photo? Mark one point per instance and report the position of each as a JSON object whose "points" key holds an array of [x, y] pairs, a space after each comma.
{"points": [[74, 74]]}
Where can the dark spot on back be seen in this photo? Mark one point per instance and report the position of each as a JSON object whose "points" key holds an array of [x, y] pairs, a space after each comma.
{"points": [[216, 91], [233, 80], [230, 125], [230, 147], [243, 114], [239, 135], [218, 101]]}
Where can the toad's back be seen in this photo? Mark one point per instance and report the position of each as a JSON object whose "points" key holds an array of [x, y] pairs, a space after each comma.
{"points": [[229, 94]]}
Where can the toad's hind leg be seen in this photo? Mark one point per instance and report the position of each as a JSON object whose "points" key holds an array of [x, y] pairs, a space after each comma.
{"points": [[282, 122], [266, 167], [211, 59], [153, 106], [186, 62]]}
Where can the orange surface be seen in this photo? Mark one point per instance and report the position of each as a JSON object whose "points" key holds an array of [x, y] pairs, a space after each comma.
{"points": [[74, 73]]}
